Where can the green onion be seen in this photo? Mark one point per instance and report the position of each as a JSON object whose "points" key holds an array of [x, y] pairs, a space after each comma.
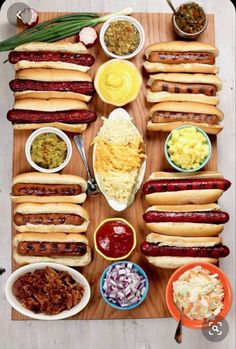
{"points": [[58, 28]]}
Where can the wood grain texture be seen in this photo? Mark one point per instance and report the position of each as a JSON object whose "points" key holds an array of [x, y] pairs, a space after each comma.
{"points": [[157, 27]]}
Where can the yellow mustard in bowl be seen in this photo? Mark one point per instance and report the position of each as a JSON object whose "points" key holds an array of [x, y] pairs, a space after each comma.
{"points": [[118, 82]]}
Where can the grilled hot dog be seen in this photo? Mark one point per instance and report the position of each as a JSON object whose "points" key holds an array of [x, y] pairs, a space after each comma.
{"points": [[51, 249]]}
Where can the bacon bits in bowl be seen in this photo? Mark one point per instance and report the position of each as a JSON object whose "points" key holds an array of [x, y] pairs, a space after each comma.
{"points": [[47, 291], [202, 291], [124, 285]]}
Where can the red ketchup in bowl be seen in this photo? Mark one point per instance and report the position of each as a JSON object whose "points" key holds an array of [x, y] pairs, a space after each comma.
{"points": [[115, 238]]}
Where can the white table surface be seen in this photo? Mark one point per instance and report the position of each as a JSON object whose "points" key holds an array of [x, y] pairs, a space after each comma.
{"points": [[116, 334]]}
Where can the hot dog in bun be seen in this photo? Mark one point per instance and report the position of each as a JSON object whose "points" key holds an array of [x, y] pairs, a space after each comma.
{"points": [[166, 116], [50, 218], [181, 57], [48, 187], [170, 188], [68, 249], [171, 252], [56, 55], [186, 220]]}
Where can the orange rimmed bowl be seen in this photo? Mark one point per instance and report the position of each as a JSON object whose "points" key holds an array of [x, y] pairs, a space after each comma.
{"points": [[198, 324], [110, 220]]}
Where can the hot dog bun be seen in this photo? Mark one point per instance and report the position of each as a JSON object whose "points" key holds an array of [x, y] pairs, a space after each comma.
{"points": [[33, 208], [50, 178], [51, 105], [77, 48], [185, 228], [163, 96], [180, 68], [73, 261], [184, 197], [166, 262]]}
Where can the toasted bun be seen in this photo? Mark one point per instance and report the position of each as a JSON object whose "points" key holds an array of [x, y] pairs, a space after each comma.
{"points": [[32, 208], [73, 261], [187, 107], [184, 208], [50, 65], [187, 79], [163, 96], [51, 94], [180, 68], [52, 75], [50, 105], [78, 128], [181, 46], [180, 241], [184, 197], [166, 262], [53, 47], [169, 126], [179, 175], [50, 178]]}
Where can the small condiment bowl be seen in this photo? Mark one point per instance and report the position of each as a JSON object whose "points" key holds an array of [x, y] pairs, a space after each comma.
{"points": [[183, 34], [116, 306], [177, 168], [113, 220], [198, 324], [60, 134], [130, 20], [78, 277]]}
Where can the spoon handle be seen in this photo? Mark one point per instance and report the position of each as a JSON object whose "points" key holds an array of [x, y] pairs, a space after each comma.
{"points": [[80, 146], [171, 6], [178, 333]]}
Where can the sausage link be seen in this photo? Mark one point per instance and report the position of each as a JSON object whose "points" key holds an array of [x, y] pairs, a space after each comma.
{"points": [[18, 116], [46, 56], [164, 185], [83, 87], [169, 116], [51, 249], [47, 219], [155, 250], [212, 217], [20, 189], [182, 57], [174, 87]]}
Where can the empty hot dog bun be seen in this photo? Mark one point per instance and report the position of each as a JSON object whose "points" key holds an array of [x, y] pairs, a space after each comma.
{"points": [[69, 115], [57, 55], [181, 56], [52, 83], [186, 220], [176, 87], [50, 218], [166, 116], [48, 187], [37, 247], [171, 252], [170, 188]]}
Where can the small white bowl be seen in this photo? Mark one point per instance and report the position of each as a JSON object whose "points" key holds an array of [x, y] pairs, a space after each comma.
{"points": [[122, 18], [78, 277], [60, 134]]}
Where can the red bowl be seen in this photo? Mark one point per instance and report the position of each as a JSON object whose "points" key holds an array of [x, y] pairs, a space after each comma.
{"points": [[198, 324]]}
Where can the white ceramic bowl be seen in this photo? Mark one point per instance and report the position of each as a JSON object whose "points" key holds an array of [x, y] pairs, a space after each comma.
{"points": [[60, 134], [78, 277], [122, 18]]}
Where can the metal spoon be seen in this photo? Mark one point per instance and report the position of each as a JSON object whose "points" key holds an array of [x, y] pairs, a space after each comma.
{"points": [[171, 6], [92, 184], [178, 333]]}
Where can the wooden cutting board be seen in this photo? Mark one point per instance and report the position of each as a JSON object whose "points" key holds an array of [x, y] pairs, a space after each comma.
{"points": [[157, 27]]}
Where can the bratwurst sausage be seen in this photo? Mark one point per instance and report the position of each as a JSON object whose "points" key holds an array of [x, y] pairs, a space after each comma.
{"points": [[174, 87], [47, 219], [45, 189], [155, 250], [212, 217], [181, 57], [51, 249], [46, 56], [83, 87], [169, 116], [19, 116], [165, 185]]}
